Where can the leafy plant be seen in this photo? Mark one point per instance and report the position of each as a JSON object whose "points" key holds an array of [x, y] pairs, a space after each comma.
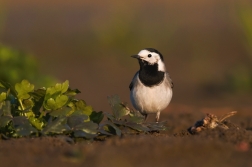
{"points": [[125, 120], [51, 111], [46, 111]]}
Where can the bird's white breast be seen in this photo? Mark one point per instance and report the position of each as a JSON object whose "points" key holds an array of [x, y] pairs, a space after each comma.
{"points": [[150, 99]]}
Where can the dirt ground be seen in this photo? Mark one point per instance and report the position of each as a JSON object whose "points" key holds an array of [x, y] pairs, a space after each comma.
{"points": [[174, 147]]}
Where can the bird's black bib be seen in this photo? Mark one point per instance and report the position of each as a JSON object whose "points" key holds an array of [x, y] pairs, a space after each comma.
{"points": [[149, 74]]}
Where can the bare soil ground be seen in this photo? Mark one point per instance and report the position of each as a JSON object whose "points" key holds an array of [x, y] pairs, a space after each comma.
{"points": [[174, 147]]}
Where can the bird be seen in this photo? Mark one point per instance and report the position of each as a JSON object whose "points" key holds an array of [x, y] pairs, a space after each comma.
{"points": [[151, 88]]}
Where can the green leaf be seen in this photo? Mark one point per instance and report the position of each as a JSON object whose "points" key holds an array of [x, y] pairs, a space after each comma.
{"points": [[5, 110], [4, 120], [57, 89], [53, 104], [96, 117], [86, 129], [61, 100], [3, 96], [50, 104], [81, 106], [138, 127], [57, 126], [4, 84], [118, 108], [51, 92], [38, 94], [23, 89], [38, 99], [136, 117], [54, 97], [78, 113], [64, 86], [28, 103], [154, 126], [80, 133], [61, 112], [37, 123], [88, 110], [109, 127], [105, 131], [71, 92], [7, 86], [22, 126], [75, 120], [109, 116]]}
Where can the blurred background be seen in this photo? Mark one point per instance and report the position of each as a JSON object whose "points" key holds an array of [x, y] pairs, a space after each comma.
{"points": [[207, 46]]}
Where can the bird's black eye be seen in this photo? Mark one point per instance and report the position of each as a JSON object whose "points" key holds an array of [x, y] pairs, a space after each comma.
{"points": [[149, 55]]}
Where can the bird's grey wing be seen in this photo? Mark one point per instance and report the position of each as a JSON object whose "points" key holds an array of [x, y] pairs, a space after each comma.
{"points": [[169, 80], [133, 81]]}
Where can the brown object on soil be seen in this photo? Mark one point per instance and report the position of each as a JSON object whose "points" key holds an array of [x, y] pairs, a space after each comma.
{"points": [[211, 121]]}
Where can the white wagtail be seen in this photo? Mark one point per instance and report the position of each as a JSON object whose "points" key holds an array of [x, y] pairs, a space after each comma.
{"points": [[151, 87]]}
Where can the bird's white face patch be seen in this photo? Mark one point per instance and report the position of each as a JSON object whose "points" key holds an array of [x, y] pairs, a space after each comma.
{"points": [[152, 58]]}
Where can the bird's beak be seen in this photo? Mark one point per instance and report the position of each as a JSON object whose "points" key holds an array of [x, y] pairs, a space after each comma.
{"points": [[136, 56]]}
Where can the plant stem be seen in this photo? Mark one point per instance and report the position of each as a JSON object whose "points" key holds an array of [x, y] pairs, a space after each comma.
{"points": [[21, 104]]}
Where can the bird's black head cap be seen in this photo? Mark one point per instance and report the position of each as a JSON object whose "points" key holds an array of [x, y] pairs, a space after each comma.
{"points": [[155, 51]]}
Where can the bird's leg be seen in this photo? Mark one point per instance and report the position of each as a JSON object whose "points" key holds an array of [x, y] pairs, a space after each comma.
{"points": [[157, 116]]}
